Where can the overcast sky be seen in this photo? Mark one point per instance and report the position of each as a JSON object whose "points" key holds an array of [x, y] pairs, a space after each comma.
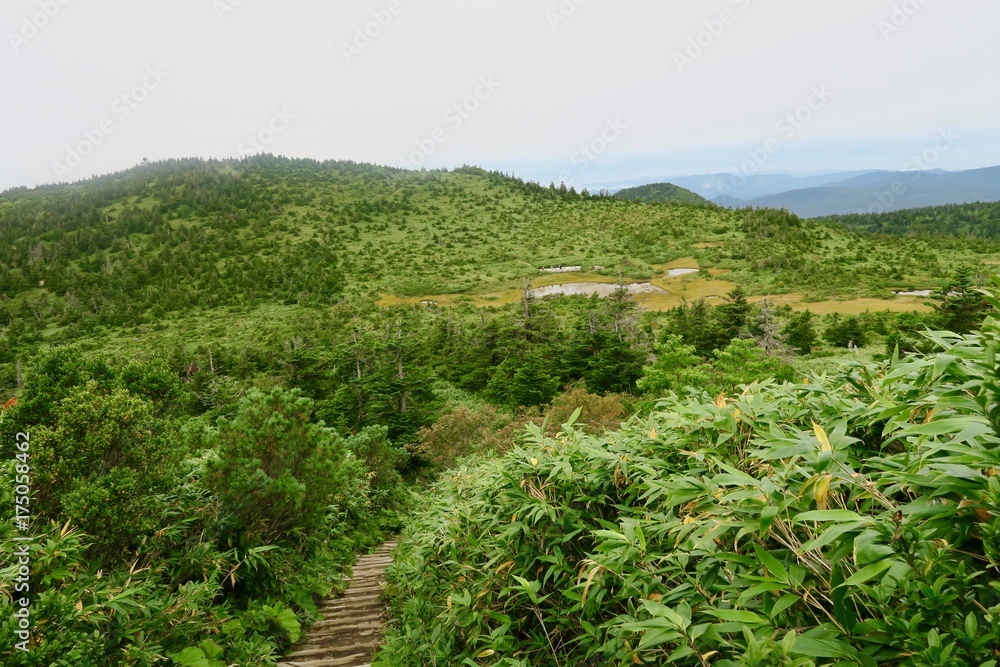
{"points": [[586, 91]]}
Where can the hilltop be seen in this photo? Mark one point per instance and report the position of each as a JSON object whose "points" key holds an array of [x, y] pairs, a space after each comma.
{"points": [[218, 233], [662, 193]]}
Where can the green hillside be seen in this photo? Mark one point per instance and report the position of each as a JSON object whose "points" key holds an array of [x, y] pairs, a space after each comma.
{"points": [[126, 248], [236, 375], [662, 193]]}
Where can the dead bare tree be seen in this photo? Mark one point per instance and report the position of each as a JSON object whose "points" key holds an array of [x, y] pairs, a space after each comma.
{"points": [[769, 338]]}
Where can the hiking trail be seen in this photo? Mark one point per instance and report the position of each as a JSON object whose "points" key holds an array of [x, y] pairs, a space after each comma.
{"points": [[351, 629]]}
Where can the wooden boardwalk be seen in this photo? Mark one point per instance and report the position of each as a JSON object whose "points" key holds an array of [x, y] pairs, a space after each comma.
{"points": [[351, 629]]}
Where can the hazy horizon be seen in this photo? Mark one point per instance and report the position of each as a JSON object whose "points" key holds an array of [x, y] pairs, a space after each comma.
{"points": [[594, 186], [581, 91]]}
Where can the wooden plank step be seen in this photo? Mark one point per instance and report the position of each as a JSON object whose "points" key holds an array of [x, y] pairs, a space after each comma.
{"points": [[352, 626], [349, 661]]}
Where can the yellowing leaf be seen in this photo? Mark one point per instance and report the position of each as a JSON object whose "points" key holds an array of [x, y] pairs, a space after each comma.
{"points": [[930, 416], [534, 461], [824, 441], [586, 587], [485, 653], [652, 434], [821, 491], [720, 401]]}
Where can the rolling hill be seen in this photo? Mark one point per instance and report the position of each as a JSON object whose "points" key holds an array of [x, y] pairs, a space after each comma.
{"points": [[662, 193], [185, 245]]}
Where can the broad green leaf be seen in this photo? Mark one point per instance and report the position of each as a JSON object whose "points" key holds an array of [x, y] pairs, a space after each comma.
{"points": [[869, 572], [818, 647], [831, 515], [737, 616], [784, 603], [867, 548], [829, 535], [772, 564]]}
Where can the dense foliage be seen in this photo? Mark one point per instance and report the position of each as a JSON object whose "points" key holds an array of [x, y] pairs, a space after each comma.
{"points": [[850, 520], [222, 417], [981, 220], [160, 537]]}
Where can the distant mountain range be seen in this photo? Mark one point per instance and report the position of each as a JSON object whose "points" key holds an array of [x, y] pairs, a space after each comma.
{"points": [[713, 186], [847, 192]]}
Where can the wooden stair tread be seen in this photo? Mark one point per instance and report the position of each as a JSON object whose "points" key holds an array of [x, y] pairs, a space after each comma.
{"points": [[352, 624]]}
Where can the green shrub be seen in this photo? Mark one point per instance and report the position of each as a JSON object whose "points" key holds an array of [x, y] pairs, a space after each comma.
{"points": [[102, 444], [100, 457], [743, 362], [597, 413], [800, 332], [276, 470], [527, 382], [845, 331], [462, 432], [382, 458], [680, 370], [123, 617], [677, 366]]}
